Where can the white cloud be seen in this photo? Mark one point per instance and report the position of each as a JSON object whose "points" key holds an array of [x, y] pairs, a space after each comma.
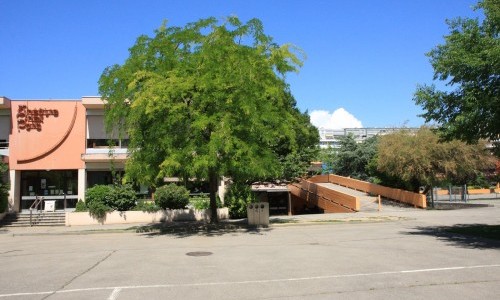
{"points": [[338, 119]]}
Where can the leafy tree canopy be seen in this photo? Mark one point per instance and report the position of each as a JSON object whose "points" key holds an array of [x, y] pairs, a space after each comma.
{"points": [[469, 63], [207, 100], [352, 158], [421, 159]]}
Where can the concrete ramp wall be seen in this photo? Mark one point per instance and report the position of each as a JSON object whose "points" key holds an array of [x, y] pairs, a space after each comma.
{"points": [[415, 199], [311, 194]]}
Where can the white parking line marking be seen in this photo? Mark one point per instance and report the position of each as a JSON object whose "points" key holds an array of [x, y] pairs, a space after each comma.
{"points": [[114, 294], [117, 289]]}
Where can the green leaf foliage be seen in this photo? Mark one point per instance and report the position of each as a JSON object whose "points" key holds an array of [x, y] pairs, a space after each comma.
{"points": [[146, 206], [469, 63], [202, 202], [172, 196], [97, 199], [422, 159], [4, 188], [208, 100], [237, 198], [101, 199], [122, 197], [352, 158], [81, 206]]}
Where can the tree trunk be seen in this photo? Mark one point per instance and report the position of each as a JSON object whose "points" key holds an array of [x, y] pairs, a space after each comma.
{"points": [[213, 186]]}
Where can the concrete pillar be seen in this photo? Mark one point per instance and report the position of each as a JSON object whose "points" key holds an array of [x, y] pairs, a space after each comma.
{"points": [[15, 190], [82, 184], [223, 186]]}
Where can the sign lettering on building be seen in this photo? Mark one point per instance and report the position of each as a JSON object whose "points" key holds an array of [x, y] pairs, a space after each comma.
{"points": [[28, 119]]}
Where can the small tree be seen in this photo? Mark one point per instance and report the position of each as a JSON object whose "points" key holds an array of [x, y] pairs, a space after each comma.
{"points": [[172, 196], [421, 159]]}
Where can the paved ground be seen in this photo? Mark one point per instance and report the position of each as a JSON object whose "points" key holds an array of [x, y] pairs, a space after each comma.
{"points": [[398, 253]]}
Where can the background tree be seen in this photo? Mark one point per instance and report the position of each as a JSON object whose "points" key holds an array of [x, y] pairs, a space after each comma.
{"points": [[207, 100], [326, 156], [352, 158], [421, 159], [469, 63]]}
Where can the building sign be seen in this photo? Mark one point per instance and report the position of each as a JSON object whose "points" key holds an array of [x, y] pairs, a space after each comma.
{"points": [[28, 119]]}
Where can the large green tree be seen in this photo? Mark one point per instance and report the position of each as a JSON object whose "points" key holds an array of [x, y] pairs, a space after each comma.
{"points": [[207, 100], [469, 63], [352, 158], [417, 159]]}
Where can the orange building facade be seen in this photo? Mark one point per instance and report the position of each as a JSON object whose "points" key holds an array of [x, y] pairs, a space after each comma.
{"points": [[56, 149]]}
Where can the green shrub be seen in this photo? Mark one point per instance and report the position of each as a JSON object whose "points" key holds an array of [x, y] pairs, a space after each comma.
{"points": [[146, 206], [97, 199], [172, 196], [4, 199], [98, 210], [4, 189], [122, 197], [203, 202], [81, 206], [4, 204], [237, 198], [98, 193], [101, 199]]}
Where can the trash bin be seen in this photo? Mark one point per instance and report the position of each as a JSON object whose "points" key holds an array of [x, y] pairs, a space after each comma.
{"points": [[263, 214], [258, 214], [251, 214]]}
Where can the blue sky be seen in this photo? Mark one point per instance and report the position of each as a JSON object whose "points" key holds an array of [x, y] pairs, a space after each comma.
{"points": [[364, 57]]}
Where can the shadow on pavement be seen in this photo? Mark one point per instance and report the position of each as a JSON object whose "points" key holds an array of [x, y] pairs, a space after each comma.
{"points": [[187, 229], [477, 236]]}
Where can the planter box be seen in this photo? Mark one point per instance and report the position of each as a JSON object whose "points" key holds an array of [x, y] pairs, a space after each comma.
{"points": [[130, 217]]}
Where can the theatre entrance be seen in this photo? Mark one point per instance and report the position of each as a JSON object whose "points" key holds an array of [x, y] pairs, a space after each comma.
{"points": [[60, 186]]}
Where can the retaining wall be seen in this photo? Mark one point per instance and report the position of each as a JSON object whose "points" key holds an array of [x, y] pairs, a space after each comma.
{"points": [[128, 217]]}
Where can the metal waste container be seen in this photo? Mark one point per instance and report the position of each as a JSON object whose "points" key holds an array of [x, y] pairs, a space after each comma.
{"points": [[258, 214]]}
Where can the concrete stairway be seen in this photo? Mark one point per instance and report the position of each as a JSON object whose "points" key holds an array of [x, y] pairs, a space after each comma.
{"points": [[39, 219]]}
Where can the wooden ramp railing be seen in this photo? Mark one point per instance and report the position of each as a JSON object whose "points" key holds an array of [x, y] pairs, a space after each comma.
{"points": [[310, 194], [415, 199]]}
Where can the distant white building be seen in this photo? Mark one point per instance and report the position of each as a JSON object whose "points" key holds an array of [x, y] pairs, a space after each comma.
{"points": [[330, 138]]}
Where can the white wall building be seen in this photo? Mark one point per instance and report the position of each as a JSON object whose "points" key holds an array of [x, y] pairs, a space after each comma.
{"points": [[330, 138]]}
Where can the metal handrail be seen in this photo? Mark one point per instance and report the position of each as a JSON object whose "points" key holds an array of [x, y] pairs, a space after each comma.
{"points": [[38, 202]]}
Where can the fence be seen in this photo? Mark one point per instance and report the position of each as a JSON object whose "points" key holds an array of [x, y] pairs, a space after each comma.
{"points": [[463, 193]]}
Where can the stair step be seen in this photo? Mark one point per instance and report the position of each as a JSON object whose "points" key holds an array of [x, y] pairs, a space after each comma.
{"points": [[39, 219]]}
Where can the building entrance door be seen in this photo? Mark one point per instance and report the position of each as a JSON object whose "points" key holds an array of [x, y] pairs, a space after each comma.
{"points": [[58, 185]]}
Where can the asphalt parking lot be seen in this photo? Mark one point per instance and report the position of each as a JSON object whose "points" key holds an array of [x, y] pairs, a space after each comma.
{"points": [[393, 254]]}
